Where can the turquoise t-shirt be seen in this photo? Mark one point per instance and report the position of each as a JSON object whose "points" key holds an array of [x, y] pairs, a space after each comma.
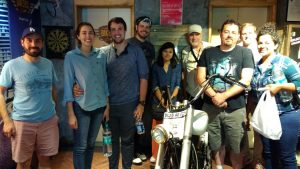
{"points": [[32, 83]]}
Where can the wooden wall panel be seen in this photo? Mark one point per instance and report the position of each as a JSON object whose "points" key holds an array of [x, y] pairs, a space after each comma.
{"points": [[270, 4]]}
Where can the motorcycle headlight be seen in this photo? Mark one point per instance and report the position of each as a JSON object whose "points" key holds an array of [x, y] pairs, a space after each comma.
{"points": [[159, 134]]}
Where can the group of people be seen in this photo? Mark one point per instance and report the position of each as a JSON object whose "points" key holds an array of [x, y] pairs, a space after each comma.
{"points": [[225, 103], [120, 82]]}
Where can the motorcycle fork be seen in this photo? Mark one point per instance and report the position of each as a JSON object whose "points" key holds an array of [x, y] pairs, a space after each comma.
{"points": [[160, 157], [186, 143]]}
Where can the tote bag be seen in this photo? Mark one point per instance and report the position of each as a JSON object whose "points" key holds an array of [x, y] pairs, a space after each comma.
{"points": [[265, 119]]}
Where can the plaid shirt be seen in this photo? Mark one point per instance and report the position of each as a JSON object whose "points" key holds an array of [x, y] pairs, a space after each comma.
{"points": [[262, 78]]}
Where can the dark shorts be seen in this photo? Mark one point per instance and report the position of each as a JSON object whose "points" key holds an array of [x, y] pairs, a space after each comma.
{"points": [[225, 128]]}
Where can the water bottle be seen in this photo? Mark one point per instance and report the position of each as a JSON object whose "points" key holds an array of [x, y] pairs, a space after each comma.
{"points": [[107, 146], [140, 128], [177, 105], [279, 78]]}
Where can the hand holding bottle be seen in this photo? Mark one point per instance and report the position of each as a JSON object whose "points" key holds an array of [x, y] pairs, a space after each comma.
{"points": [[107, 144]]}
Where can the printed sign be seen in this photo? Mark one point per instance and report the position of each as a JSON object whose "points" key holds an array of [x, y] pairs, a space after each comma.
{"points": [[170, 12]]}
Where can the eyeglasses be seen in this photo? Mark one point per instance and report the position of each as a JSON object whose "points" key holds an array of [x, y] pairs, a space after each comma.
{"points": [[146, 20]]}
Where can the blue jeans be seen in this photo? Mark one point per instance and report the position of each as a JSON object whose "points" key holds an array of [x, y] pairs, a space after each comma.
{"points": [[85, 135], [283, 152], [122, 123]]}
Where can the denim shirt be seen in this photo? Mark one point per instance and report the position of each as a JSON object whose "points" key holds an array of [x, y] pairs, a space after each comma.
{"points": [[160, 78], [262, 78], [89, 72]]}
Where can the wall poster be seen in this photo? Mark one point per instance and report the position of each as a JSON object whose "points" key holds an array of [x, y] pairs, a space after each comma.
{"points": [[171, 12]]}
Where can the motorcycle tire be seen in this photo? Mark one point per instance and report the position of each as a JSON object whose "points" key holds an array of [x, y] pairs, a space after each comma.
{"points": [[200, 157], [204, 156], [172, 154], [194, 161]]}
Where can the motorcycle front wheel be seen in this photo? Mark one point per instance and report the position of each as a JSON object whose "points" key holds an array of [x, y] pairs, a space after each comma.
{"points": [[172, 154], [200, 157], [204, 155]]}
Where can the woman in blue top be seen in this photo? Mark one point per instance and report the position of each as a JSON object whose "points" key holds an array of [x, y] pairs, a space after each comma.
{"points": [[165, 72], [85, 66], [266, 73]]}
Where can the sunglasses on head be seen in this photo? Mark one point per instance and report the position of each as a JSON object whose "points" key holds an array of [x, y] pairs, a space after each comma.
{"points": [[146, 20]]}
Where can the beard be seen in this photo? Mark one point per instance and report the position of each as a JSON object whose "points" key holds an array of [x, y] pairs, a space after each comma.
{"points": [[118, 41], [229, 42], [143, 34], [36, 53]]}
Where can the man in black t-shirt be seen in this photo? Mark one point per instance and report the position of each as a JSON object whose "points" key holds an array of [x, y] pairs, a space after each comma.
{"points": [[224, 102], [142, 143]]}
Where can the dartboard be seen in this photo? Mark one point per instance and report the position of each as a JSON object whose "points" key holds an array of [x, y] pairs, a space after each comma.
{"points": [[57, 41]]}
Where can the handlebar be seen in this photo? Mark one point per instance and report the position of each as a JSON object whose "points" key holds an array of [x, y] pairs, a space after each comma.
{"points": [[204, 85], [226, 79]]}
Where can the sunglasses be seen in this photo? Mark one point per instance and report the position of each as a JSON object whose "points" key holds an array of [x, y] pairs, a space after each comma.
{"points": [[146, 20]]}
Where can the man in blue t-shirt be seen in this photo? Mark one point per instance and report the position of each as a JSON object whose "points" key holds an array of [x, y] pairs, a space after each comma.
{"points": [[32, 125]]}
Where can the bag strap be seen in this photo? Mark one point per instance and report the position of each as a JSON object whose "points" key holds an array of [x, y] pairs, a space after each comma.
{"points": [[196, 59]]}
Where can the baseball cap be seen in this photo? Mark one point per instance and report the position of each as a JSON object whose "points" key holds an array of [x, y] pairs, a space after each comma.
{"points": [[195, 28], [31, 30]]}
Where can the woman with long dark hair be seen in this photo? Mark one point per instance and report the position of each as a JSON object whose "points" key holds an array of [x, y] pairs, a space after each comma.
{"points": [[166, 72], [85, 66], [281, 76]]}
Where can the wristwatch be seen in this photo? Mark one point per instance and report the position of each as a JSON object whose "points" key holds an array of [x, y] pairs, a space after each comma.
{"points": [[142, 102]]}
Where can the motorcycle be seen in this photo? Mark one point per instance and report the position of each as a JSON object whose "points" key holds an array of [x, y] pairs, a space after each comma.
{"points": [[180, 122]]}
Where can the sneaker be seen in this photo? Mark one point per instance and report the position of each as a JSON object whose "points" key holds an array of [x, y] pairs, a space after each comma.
{"points": [[152, 159], [259, 166], [142, 157], [137, 161]]}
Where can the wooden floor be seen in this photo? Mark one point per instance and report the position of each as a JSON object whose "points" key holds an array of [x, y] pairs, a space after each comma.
{"points": [[64, 161]]}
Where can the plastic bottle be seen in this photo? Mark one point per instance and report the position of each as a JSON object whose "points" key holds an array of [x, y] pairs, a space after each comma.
{"points": [[107, 146], [140, 128], [279, 78]]}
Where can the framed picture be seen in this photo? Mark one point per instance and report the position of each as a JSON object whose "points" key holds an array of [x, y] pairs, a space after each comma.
{"points": [[293, 42], [57, 41], [293, 12]]}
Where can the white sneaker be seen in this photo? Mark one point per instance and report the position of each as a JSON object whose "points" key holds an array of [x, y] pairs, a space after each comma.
{"points": [[137, 161], [152, 159], [142, 157]]}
